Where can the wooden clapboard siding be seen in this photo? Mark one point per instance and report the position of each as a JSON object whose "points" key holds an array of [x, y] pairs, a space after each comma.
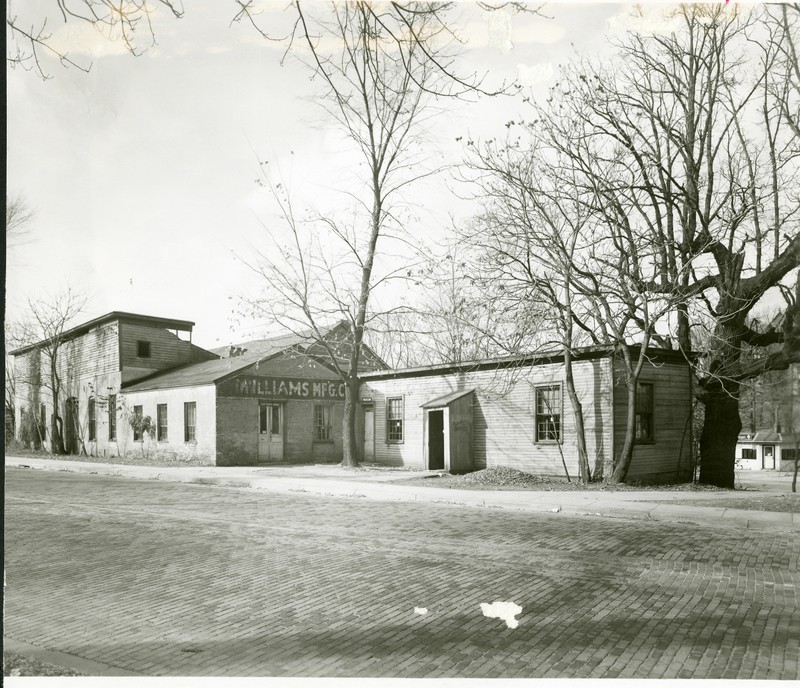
{"points": [[503, 415], [167, 350], [668, 454], [94, 353]]}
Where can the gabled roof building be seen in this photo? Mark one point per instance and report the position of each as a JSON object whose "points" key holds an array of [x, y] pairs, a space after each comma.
{"points": [[137, 389]]}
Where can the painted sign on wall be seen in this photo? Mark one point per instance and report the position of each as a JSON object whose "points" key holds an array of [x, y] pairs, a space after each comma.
{"points": [[281, 388]]}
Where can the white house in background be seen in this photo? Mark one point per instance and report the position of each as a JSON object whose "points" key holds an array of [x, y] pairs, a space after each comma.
{"points": [[767, 450]]}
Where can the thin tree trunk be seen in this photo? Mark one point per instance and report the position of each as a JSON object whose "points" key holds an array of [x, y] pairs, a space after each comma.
{"points": [[577, 412], [623, 463]]}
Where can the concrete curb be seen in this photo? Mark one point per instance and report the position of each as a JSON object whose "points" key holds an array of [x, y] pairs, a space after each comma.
{"points": [[629, 505], [63, 659]]}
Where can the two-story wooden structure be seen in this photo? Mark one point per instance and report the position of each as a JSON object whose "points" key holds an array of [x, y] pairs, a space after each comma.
{"points": [[131, 385], [86, 368]]}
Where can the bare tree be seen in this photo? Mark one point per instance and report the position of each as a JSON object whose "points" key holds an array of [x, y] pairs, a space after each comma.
{"points": [[130, 22], [377, 80], [18, 217], [666, 154], [49, 319]]}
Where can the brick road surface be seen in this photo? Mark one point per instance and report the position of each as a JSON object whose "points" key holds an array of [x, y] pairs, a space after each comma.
{"points": [[178, 579]]}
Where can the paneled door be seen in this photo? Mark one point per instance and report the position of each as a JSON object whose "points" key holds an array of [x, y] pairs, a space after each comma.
{"points": [[270, 432]]}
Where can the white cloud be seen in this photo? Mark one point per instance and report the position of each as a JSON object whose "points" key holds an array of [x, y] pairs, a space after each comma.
{"points": [[545, 32], [530, 75], [645, 19], [499, 28], [83, 39]]}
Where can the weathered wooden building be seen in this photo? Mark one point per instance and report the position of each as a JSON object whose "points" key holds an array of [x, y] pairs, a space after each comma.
{"points": [[515, 412], [132, 384], [91, 363]]}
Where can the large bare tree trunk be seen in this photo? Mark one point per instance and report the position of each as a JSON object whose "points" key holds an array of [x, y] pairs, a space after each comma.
{"points": [[350, 453], [720, 433]]}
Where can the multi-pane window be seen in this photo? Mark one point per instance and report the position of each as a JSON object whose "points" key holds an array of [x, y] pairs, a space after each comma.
{"points": [[161, 423], [112, 417], [394, 419], [189, 421], [323, 429], [92, 421], [749, 454], [548, 414], [644, 412], [138, 433], [788, 454], [143, 349]]}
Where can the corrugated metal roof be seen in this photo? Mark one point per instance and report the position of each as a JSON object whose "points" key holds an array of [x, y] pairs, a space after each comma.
{"points": [[195, 374]]}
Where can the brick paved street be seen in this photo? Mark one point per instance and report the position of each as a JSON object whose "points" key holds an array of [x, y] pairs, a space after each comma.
{"points": [[180, 579]]}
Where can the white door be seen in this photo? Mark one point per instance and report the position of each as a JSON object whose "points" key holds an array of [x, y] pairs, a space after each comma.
{"points": [[369, 435], [270, 432], [769, 456]]}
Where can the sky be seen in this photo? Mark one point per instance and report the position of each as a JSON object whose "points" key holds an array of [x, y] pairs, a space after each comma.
{"points": [[141, 174]]}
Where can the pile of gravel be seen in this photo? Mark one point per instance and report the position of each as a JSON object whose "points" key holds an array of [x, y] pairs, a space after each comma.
{"points": [[503, 476]]}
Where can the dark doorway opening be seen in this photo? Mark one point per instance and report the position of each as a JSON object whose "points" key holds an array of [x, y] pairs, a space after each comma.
{"points": [[435, 440]]}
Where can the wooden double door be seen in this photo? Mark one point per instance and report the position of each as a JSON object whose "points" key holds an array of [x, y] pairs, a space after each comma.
{"points": [[270, 432]]}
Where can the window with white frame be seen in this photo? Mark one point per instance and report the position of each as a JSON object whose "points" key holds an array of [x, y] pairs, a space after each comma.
{"points": [[189, 421], [323, 423], [548, 413], [138, 432], [394, 419], [162, 434]]}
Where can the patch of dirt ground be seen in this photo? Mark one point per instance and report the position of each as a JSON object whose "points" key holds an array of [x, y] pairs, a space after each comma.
{"points": [[502, 478], [17, 665]]}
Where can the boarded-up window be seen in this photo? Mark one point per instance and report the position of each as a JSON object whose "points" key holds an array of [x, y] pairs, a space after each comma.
{"points": [[394, 419], [112, 417], [161, 416], [548, 414], [92, 421], [189, 421], [644, 412], [749, 454], [323, 427], [138, 433]]}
